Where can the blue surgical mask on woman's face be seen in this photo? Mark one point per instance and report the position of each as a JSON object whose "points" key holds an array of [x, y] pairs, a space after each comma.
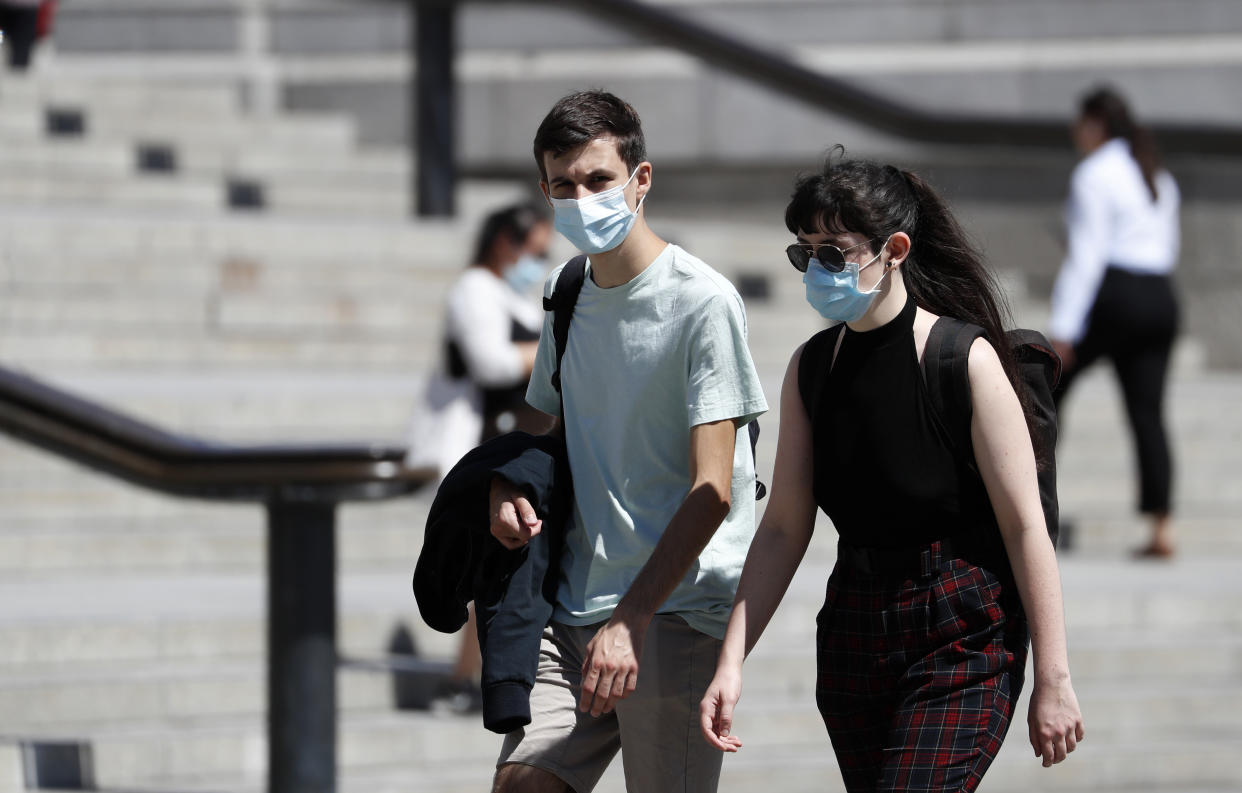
{"points": [[527, 271], [836, 296], [599, 222]]}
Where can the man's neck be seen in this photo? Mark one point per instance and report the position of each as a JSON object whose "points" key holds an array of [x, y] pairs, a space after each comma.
{"points": [[627, 261]]}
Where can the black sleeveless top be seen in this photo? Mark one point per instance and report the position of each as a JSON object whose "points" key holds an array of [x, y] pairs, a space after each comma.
{"points": [[884, 468]]}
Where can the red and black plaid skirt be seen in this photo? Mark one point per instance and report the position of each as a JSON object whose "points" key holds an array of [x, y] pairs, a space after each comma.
{"points": [[918, 671]]}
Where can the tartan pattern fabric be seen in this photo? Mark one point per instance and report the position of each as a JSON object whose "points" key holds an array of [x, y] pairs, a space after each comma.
{"points": [[918, 676]]}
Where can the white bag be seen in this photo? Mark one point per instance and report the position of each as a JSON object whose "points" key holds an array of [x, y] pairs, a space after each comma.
{"points": [[447, 423]]}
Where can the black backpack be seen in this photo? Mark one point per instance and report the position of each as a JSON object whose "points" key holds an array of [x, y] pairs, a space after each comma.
{"points": [[945, 361], [561, 304]]}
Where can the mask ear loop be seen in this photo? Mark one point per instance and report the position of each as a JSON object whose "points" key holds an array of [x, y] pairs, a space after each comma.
{"points": [[639, 205], [888, 268]]}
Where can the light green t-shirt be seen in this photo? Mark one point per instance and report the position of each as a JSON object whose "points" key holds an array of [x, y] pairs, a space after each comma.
{"points": [[644, 363]]}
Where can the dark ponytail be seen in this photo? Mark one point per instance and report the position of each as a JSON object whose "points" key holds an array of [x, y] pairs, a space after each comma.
{"points": [[1107, 107], [944, 272]]}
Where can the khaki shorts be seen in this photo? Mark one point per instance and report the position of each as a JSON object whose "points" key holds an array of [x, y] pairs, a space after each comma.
{"points": [[656, 728]]}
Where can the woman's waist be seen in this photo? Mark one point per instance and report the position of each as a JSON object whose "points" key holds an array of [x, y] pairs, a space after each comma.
{"points": [[1138, 270]]}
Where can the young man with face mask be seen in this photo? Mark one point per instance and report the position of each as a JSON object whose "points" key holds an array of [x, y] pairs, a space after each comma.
{"points": [[657, 381]]}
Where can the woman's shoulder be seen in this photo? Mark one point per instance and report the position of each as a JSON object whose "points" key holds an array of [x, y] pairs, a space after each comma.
{"points": [[476, 287], [1106, 166]]}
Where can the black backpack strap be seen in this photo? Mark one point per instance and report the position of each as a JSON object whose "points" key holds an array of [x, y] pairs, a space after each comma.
{"points": [[946, 371], [818, 355], [561, 304]]}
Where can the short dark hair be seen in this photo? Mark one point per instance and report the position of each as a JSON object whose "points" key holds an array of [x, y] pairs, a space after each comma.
{"points": [[583, 116]]}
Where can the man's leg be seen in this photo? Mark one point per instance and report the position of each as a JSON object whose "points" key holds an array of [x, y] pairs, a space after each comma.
{"points": [[561, 749], [20, 33], [661, 745], [518, 778]]}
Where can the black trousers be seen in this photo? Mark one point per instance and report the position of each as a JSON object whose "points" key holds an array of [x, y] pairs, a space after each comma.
{"points": [[20, 27], [1133, 323]]}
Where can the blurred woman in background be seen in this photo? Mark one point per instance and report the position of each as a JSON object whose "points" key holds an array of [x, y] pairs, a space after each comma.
{"points": [[1114, 297], [492, 319], [490, 332]]}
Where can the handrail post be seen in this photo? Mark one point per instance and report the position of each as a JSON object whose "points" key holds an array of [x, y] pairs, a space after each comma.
{"points": [[301, 684], [434, 107]]}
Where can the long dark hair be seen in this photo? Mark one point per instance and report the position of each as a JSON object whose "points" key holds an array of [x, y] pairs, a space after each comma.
{"points": [[944, 272], [1105, 105]]}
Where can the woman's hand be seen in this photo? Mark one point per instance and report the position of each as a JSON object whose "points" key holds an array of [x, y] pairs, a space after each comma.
{"points": [[1054, 720], [716, 709]]}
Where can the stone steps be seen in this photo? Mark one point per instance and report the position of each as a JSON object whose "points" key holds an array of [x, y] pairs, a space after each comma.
{"points": [[441, 752], [66, 231], [208, 193], [226, 313], [382, 170], [133, 349], [136, 621], [135, 96], [70, 699], [106, 123], [1130, 605]]}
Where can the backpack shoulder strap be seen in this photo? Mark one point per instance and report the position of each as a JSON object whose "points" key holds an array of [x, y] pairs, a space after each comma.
{"points": [[946, 361], [818, 355], [561, 304]]}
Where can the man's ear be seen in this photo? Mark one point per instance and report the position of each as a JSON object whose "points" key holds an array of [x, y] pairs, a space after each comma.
{"points": [[543, 188], [642, 179]]}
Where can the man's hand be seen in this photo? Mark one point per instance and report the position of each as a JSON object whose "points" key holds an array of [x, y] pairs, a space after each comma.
{"points": [[514, 521], [610, 671], [1054, 720]]}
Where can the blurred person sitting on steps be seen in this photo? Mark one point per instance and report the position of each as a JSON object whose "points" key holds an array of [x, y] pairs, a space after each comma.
{"points": [[1114, 297]]}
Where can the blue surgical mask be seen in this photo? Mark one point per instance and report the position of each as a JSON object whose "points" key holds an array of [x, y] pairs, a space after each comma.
{"points": [[527, 271], [599, 222], [836, 296]]}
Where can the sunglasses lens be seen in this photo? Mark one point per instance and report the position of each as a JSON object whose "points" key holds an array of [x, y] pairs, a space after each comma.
{"points": [[832, 258], [799, 257]]}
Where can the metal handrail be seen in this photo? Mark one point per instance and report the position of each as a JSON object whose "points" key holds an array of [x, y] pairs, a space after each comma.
{"points": [[785, 76], [109, 441], [298, 485]]}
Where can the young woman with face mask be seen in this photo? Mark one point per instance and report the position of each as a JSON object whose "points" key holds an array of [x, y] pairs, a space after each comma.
{"points": [[921, 652], [492, 319]]}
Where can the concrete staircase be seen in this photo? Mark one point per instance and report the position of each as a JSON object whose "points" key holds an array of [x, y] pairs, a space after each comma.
{"points": [[136, 146], [135, 623]]}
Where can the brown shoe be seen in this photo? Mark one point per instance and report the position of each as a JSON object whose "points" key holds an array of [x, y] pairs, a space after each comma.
{"points": [[1154, 551]]}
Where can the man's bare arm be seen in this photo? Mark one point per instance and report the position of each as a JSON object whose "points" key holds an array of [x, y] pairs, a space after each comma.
{"points": [[610, 671]]}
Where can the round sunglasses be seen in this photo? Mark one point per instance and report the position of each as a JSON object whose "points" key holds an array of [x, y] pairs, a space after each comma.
{"points": [[830, 256]]}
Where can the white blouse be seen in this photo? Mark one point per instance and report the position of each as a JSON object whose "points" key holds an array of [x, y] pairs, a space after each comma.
{"points": [[1111, 221], [481, 309]]}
